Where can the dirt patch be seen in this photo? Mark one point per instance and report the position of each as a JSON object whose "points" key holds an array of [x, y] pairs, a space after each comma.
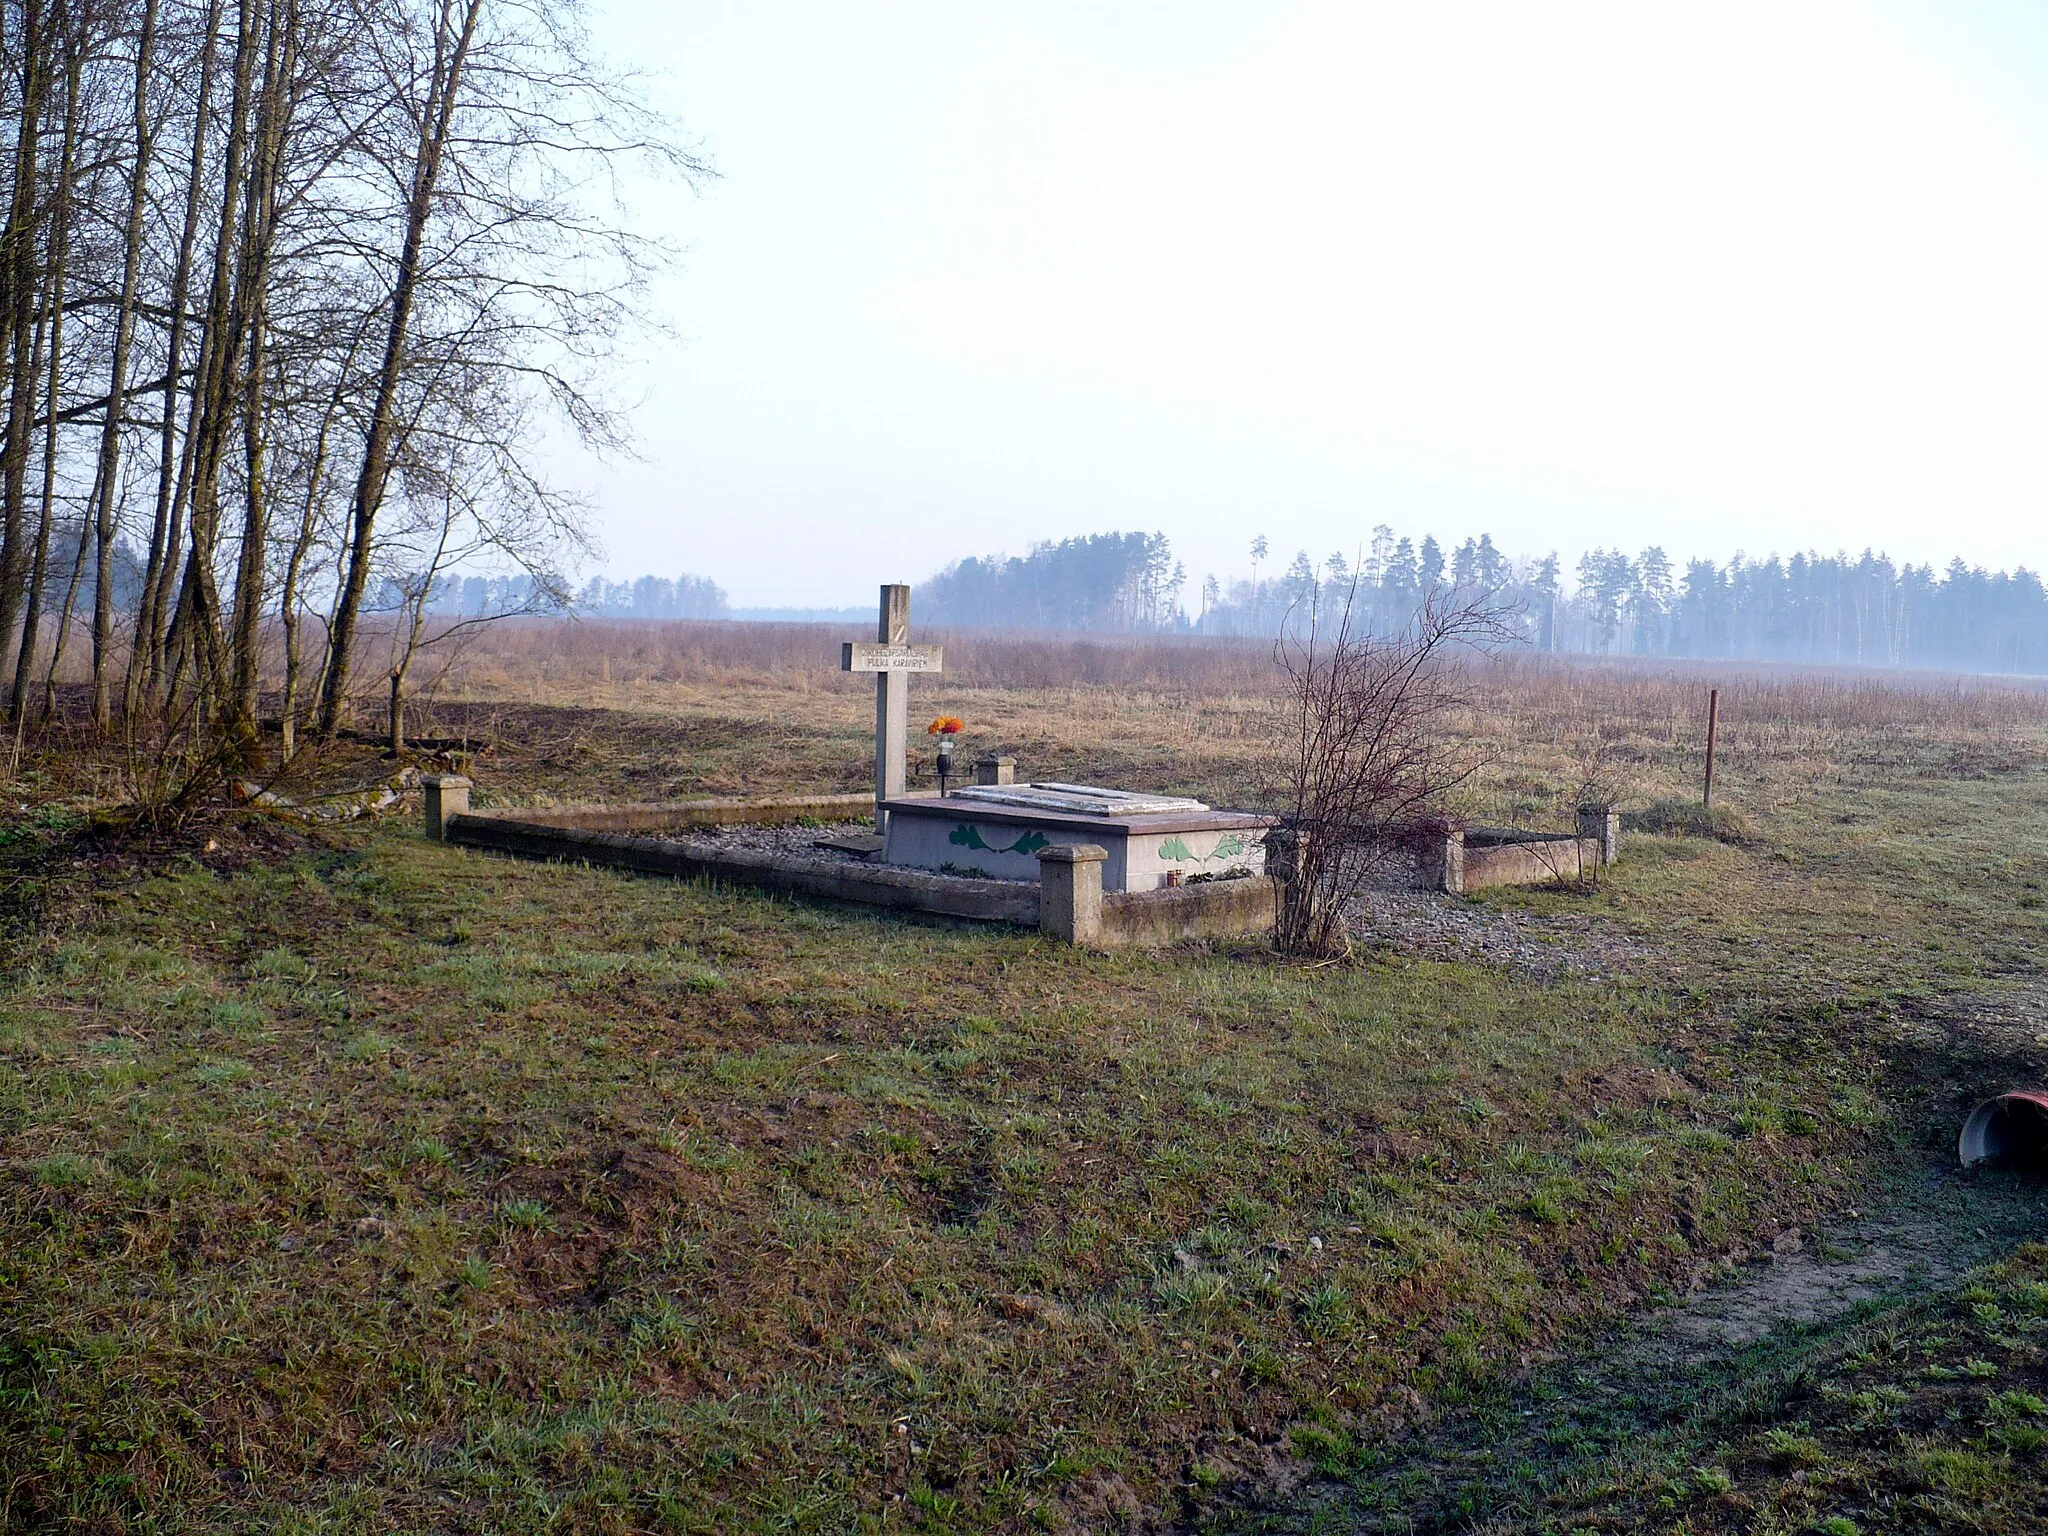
{"points": [[2005, 1022], [568, 1229], [1660, 1369], [53, 862], [1957, 1223]]}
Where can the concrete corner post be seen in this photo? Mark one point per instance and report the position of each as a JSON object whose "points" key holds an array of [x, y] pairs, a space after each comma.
{"points": [[1451, 875], [446, 795], [1284, 849], [1602, 823], [1283, 854], [1070, 892], [990, 769]]}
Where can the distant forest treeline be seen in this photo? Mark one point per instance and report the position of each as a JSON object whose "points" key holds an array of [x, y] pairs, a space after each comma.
{"points": [[1839, 609], [1103, 581], [654, 597], [1832, 609], [648, 597], [1826, 609]]}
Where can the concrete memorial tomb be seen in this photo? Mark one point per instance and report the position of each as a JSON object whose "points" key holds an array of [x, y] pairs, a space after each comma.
{"points": [[998, 828], [1093, 866], [1151, 841]]}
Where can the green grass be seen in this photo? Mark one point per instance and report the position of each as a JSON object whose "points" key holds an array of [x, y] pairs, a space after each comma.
{"points": [[541, 1223], [378, 1185], [1691, 818], [1889, 1424]]}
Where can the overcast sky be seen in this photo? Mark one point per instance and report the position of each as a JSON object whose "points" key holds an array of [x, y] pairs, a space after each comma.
{"points": [[1718, 277]]}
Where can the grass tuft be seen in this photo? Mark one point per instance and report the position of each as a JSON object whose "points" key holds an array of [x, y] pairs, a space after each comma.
{"points": [[1689, 818]]}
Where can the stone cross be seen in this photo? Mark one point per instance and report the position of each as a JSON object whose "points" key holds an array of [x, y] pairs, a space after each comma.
{"points": [[892, 659]]}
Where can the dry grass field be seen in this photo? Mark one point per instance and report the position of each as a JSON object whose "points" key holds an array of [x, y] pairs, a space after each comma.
{"points": [[350, 1182]]}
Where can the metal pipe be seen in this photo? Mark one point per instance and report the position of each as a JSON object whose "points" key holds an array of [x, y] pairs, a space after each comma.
{"points": [[2010, 1129]]}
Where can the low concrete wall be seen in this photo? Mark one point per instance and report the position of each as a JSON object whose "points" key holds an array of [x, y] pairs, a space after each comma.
{"points": [[899, 890], [1209, 909], [1083, 914], [1074, 908], [1482, 858], [1531, 862]]}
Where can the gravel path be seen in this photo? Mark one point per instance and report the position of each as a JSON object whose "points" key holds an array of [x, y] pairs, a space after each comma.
{"points": [[798, 842], [790, 839], [1438, 927]]}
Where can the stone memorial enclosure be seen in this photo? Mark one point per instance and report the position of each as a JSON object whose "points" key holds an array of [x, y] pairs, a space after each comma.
{"points": [[546, 989], [1088, 864]]}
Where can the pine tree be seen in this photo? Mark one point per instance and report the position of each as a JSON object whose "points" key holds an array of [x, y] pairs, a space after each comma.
{"points": [[1430, 568]]}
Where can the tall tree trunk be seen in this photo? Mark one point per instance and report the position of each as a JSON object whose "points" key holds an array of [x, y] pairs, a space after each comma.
{"points": [[451, 52], [331, 618], [294, 567], [273, 122], [62, 633], [32, 615], [18, 269], [105, 473], [146, 656], [71, 31], [197, 626]]}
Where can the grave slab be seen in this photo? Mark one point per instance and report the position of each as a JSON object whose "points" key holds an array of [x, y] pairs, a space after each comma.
{"points": [[865, 844], [999, 830]]}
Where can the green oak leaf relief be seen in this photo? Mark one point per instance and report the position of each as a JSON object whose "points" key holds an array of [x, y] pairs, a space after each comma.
{"points": [[1229, 846], [967, 836]]}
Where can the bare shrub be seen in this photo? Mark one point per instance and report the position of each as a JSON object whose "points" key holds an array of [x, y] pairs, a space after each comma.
{"points": [[1369, 752]]}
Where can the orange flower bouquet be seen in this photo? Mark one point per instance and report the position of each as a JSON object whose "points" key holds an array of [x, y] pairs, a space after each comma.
{"points": [[945, 728]]}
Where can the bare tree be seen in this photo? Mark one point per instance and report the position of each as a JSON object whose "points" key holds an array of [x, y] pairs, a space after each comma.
{"points": [[166, 537], [286, 289], [31, 59], [468, 499], [1367, 753], [454, 31], [509, 128], [316, 483], [72, 45], [109, 459]]}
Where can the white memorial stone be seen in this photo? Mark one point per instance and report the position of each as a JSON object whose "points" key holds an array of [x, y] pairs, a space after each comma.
{"points": [[1076, 799]]}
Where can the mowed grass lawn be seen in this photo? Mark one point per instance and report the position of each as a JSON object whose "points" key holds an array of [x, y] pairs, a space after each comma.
{"points": [[377, 1185]]}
